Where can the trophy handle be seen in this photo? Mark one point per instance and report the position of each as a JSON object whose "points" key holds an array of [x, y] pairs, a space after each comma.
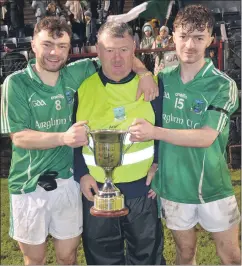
{"points": [[89, 134], [129, 146]]}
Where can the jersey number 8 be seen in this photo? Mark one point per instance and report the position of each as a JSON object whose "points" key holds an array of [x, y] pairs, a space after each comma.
{"points": [[58, 105]]}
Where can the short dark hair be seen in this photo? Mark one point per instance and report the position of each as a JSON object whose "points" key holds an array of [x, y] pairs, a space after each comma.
{"points": [[197, 17], [115, 29], [54, 26]]}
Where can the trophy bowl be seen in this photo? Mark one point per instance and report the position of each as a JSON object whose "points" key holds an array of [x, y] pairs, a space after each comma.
{"points": [[108, 151]]}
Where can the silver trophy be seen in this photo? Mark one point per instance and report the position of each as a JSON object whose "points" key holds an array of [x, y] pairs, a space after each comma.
{"points": [[108, 151]]}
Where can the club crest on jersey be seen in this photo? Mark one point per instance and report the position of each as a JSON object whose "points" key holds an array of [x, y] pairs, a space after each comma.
{"points": [[119, 113], [198, 106], [69, 97]]}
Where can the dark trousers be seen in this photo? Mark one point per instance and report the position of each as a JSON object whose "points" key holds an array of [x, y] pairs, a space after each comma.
{"points": [[135, 239]]}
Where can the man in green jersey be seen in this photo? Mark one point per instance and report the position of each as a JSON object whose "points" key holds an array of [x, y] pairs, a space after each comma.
{"points": [[193, 180], [36, 107]]}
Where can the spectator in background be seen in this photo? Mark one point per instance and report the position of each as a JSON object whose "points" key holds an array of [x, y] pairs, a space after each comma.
{"points": [[148, 36], [155, 25], [17, 16], [146, 43], [75, 8], [91, 30], [78, 29], [163, 39], [40, 9], [52, 10]]}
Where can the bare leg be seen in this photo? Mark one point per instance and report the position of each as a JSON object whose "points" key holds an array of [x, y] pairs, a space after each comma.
{"points": [[227, 245], [33, 254], [66, 250], [185, 246]]}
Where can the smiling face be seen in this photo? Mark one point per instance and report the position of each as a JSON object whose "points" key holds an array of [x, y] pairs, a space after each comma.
{"points": [[51, 52], [116, 55], [191, 45]]}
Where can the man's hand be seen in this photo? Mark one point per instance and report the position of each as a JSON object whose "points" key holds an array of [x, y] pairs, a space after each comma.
{"points": [[148, 86], [76, 135], [87, 182], [141, 130], [150, 175]]}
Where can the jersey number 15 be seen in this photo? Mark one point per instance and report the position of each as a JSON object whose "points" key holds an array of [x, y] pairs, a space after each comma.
{"points": [[179, 103]]}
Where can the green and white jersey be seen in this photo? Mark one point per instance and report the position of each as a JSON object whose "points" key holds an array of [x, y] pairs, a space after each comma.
{"points": [[27, 103], [196, 175]]}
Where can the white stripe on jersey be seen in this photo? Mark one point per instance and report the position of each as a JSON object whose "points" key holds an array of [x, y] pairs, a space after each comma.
{"points": [[231, 101], [233, 92], [209, 65], [5, 127], [201, 181]]}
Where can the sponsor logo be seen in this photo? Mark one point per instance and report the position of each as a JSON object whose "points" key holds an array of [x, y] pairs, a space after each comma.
{"points": [[51, 123], [181, 95], [59, 96], [38, 103], [171, 118]]}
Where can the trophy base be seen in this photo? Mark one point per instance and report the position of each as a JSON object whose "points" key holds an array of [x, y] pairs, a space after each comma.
{"points": [[101, 213]]}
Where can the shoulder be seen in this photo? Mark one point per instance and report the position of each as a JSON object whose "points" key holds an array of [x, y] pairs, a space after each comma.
{"points": [[79, 63], [80, 70], [221, 77], [167, 72], [16, 78], [93, 79]]}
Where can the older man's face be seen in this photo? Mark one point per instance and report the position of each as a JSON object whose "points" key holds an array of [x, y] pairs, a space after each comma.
{"points": [[116, 55]]}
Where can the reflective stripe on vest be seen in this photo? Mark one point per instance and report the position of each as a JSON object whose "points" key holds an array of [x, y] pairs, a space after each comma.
{"points": [[129, 158]]}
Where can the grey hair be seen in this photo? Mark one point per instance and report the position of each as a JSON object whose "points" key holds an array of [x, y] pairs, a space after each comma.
{"points": [[115, 29]]}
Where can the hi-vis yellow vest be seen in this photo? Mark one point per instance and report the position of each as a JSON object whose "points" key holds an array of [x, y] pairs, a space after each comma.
{"points": [[115, 106]]}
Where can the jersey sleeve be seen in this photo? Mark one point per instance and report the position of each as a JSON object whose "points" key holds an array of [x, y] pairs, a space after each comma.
{"points": [[15, 112], [81, 69], [221, 108]]}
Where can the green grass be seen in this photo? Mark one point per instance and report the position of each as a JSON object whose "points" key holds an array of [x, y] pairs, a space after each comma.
{"points": [[11, 255]]}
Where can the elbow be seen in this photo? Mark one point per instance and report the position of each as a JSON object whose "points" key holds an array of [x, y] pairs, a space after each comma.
{"points": [[206, 143], [16, 141], [208, 137]]}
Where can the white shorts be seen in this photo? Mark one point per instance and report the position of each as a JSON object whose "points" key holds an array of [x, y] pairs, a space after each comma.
{"points": [[58, 212], [215, 216]]}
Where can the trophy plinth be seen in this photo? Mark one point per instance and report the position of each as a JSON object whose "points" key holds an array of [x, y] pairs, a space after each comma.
{"points": [[109, 202], [108, 153]]}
